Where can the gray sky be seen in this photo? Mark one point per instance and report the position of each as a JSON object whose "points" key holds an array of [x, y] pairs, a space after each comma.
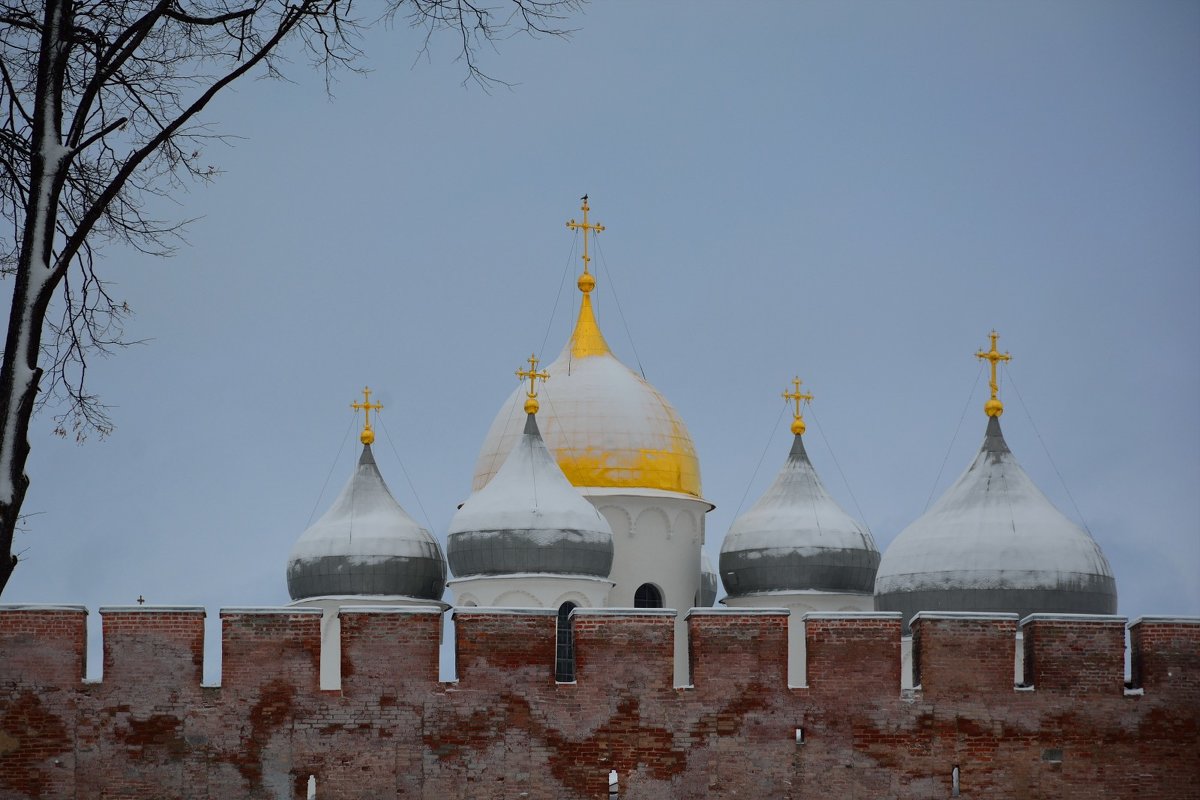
{"points": [[855, 192]]}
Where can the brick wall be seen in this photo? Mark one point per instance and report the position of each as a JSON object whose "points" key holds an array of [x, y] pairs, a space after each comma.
{"points": [[506, 729]]}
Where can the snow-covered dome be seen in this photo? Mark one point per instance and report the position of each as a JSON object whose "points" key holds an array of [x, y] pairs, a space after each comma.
{"points": [[797, 538], [994, 542], [366, 544], [529, 518], [606, 425], [708, 581]]}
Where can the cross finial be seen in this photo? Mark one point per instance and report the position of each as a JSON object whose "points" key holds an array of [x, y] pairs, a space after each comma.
{"points": [[141, 600], [798, 426], [993, 407], [531, 403], [586, 281], [368, 433]]}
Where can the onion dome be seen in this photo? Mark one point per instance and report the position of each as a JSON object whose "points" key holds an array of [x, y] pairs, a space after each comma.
{"points": [[708, 581], [796, 537], [606, 426], [993, 542], [366, 544], [529, 518]]}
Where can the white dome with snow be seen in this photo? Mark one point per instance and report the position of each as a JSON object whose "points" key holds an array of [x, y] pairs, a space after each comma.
{"points": [[797, 538], [994, 542], [366, 544], [529, 519]]}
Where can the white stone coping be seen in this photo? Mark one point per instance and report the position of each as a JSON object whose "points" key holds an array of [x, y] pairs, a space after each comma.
{"points": [[42, 607], [796, 593], [624, 612], [270, 610], [530, 576], [1160, 618], [851, 615], [737, 612], [1073, 618], [438, 610], [982, 615], [505, 611], [151, 609], [373, 598]]}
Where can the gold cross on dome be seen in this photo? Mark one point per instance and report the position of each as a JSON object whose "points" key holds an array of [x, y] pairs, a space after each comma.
{"points": [[993, 407], [586, 282], [368, 434], [798, 426], [531, 403]]}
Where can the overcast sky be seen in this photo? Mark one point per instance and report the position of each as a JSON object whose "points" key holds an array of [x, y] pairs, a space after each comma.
{"points": [[854, 192]]}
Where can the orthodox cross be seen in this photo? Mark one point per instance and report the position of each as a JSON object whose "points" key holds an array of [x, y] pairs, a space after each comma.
{"points": [[366, 406], [586, 281], [531, 403], [993, 407], [798, 425]]}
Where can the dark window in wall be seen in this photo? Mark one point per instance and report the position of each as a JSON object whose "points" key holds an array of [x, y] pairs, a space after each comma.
{"points": [[564, 659], [647, 596]]}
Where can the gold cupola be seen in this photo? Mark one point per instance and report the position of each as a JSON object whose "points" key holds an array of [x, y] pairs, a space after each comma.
{"points": [[607, 427]]}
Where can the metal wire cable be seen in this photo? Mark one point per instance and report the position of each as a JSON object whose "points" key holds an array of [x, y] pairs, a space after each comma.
{"points": [[812, 415], [562, 281], [613, 286], [332, 467], [1046, 449], [758, 466], [411, 488], [953, 438]]}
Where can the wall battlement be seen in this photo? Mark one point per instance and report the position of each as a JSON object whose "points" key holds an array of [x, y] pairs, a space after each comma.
{"points": [[149, 729]]}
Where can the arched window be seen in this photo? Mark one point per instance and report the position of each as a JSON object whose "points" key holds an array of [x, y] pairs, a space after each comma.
{"points": [[564, 654], [647, 596]]}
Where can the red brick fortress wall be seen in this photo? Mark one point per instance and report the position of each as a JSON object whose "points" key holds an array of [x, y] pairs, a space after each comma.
{"points": [[507, 729]]}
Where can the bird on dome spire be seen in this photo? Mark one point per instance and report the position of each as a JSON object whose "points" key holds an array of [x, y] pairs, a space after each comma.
{"points": [[798, 426], [366, 406], [532, 374], [993, 407]]}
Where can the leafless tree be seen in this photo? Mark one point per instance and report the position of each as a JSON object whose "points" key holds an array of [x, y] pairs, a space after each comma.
{"points": [[101, 107]]}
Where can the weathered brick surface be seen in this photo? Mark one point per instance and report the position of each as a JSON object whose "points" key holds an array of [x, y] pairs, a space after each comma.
{"points": [[962, 655], [506, 729], [1074, 653]]}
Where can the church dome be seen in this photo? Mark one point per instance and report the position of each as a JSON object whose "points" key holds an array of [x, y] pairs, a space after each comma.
{"points": [[796, 537], [994, 543], [606, 426], [529, 519], [708, 581], [366, 544]]}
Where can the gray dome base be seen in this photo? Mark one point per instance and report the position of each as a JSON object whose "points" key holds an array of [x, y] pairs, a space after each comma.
{"points": [[1096, 596], [769, 570], [423, 578], [509, 551]]}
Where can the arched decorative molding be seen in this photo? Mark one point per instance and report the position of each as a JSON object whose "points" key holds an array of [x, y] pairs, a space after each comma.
{"points": [[467, 600], [578, 598], [685, 525], [618, 519], [653, 522], [518, 599]]}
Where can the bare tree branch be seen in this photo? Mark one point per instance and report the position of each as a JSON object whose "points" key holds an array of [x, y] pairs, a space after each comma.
{"points": [[100, 107]]}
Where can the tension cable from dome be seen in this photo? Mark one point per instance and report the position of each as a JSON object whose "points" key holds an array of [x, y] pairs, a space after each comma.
{"points": [[954, 438], [612, 285], [1049, 457], [387, 435], [332, 467], [838, 464], [758, 466]]}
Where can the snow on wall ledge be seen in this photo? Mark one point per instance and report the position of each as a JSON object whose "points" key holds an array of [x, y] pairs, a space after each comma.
{"points": [[506, 729]]}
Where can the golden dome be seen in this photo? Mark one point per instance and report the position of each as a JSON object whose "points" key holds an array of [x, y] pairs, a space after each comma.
{"points": [[606, 426]]}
